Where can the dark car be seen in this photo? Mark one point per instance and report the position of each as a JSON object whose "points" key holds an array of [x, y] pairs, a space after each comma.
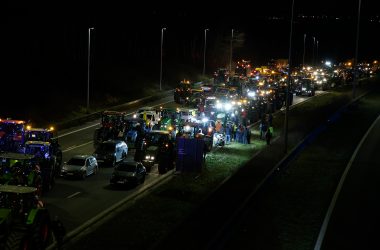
{"points": [[128, 172]]}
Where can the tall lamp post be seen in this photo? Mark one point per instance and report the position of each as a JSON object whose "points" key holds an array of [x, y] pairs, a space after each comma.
{"points": [[303, 55], [313, 51], [356, 54], [232, 37], [316, 54], [288, 84], [88, 68], [162, 41], [204, 52]]}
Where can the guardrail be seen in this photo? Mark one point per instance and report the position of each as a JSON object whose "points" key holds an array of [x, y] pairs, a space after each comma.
{"points": [[121, 107]]}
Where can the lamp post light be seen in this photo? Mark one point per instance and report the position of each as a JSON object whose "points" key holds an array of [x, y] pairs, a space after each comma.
{"points": [[162, 41], [303, 55], [88, 68], [232, 37], [313, 51], [204, 52], [288, 82], [356, 55], [316, 54]]}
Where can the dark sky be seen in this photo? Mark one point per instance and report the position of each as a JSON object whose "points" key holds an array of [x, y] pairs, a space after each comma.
{"points": [[46, 41]]}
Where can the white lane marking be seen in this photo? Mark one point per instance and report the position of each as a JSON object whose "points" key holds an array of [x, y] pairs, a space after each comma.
{"points": [[76, 146], [74, 194], [78, 130], [326, 221], [93, 125]]}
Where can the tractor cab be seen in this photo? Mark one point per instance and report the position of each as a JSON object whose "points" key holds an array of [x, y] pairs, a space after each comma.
{"points": [[24, 221], [12, 134]]}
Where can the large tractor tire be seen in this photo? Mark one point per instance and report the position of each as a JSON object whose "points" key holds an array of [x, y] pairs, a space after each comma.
{"points": [[17, 240], [40, 232]]}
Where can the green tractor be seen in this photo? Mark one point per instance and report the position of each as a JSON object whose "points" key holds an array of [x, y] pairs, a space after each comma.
{"points": [[24, 170], [24, 222]]}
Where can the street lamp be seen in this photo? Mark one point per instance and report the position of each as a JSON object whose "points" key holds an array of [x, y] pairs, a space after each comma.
{"points": [[313, 51], [356, 55], [316, 57], [303, 56], [288, 84], [88, 68], [204, 53], [162, 41], [232, 37]]}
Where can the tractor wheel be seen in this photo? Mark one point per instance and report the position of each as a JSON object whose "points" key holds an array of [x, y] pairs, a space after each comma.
{"points": [[17, 240], [40, 233]]}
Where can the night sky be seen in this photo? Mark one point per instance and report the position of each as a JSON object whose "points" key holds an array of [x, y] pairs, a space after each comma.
{"points": [[45, 52]]}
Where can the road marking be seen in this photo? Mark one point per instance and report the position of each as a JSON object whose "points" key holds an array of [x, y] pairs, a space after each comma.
{"points": [[74, 194], [326, 221], [76, 146]]}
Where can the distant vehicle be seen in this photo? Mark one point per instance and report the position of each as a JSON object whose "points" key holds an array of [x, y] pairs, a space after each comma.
{"points": [[110, 152], [182, 92], [221, 76], [80, 166], [158, 144], [12, 135], [305, 87], [112, 127], [128, 172]]}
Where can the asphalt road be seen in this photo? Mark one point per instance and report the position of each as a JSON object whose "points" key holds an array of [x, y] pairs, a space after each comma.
{"points": [[355, 218], [76, 202]]}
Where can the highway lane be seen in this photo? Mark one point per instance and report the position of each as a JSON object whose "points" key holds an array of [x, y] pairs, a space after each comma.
{"points": [[77, 201], [355, 218]]}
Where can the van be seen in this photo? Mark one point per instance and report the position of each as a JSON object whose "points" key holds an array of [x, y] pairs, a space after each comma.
{"points": [[110, 152]]}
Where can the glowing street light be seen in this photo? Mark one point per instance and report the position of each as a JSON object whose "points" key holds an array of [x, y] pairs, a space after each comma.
{"points": [[88, 68], [232, 37], [162, 41], [204, 52]]}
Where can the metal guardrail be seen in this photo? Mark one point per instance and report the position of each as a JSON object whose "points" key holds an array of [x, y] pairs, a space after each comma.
{"points": [[97, 114]]}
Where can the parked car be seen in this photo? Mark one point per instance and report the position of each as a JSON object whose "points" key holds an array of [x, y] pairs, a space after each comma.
{"points": [[80, 166], [128, 172], [111, 152]]}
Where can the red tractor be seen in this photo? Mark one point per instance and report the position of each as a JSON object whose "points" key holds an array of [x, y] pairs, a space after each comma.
{"points": [[113, 126]]}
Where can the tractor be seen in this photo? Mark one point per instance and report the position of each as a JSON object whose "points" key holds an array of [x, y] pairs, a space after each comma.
{"points": [[26, 170], [113, 127], [24, 221], [42, 142], [12, 135]]}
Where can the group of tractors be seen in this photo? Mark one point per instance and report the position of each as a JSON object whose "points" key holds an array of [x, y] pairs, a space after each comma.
{"points": [[28, 156], [30, 160]]}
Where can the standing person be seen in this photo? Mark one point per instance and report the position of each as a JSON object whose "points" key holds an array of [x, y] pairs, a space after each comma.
{"points": [[245, 135], [248, 135], [270, 119], [263, 127], [269, 134], [228, 133], [59, 231]]}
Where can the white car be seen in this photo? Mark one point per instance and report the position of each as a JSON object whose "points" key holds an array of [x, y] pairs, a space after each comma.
{"points": [[80, 166]]}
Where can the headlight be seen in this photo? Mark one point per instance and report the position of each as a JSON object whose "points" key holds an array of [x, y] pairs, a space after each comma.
{"points": [[147, 157], [152, 157]]}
